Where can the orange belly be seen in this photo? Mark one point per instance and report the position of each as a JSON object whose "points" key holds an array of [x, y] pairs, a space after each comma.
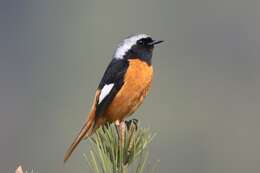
{"points": [[137, 82]]}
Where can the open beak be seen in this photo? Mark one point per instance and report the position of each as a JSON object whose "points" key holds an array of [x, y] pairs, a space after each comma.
{"points": [[155, 42]]}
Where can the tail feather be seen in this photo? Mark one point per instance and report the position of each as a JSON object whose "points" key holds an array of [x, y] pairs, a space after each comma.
{"points": [[85, 132]]}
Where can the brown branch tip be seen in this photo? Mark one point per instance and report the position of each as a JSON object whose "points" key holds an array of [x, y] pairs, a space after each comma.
{"points": [[19, 169]]}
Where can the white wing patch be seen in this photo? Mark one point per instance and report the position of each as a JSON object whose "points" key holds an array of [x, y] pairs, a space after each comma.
{"points": [[105, 91], [126, 44]]}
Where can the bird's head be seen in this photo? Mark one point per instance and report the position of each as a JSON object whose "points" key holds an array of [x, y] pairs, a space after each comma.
{"points": [[136, 46]]}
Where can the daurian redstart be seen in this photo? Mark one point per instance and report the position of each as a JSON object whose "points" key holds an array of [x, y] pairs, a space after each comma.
{"points": [[123, 86]]}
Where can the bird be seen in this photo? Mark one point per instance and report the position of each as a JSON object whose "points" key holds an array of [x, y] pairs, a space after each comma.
{"points": [[123, 87]]}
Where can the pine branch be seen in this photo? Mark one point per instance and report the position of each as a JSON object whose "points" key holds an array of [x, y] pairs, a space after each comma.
{"points": [[109, 155]]}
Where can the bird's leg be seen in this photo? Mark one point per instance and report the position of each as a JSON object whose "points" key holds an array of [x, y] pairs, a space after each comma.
{"points": [[117, 122]]}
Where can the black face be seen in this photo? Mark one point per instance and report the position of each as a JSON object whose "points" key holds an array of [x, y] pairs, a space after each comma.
{"points": [[143, 49], [145, 43]]}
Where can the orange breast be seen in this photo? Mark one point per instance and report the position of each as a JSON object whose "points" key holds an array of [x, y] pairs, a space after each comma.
{"points": [[137, 82]]}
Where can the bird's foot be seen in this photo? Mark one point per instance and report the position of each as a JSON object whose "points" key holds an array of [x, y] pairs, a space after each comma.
{"points": [[133, 122]]}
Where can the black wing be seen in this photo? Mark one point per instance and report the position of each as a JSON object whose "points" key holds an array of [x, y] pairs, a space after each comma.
{"points": [[114, 74]]}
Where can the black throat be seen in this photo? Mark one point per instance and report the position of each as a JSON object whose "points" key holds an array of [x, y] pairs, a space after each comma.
{"points": [[143, 54]]}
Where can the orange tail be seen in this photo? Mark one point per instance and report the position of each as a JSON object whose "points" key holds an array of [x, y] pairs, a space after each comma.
{"points": [[85, 132]]}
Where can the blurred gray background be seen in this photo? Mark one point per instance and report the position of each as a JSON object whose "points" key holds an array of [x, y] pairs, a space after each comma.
{"points": [[205, 99]]}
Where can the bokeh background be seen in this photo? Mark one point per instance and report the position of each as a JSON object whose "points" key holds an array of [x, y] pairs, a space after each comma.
{"points": [[205, 99]]}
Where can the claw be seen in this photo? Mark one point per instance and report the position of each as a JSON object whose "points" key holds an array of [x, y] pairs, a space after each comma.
{"points": [[132, 121]]}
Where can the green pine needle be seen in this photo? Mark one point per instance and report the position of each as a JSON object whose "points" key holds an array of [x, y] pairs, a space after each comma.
{"points": [[109, 155]]}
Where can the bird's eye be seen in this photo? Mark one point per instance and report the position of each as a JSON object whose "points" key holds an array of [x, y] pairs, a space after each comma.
{"points": [[140, 42]]}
